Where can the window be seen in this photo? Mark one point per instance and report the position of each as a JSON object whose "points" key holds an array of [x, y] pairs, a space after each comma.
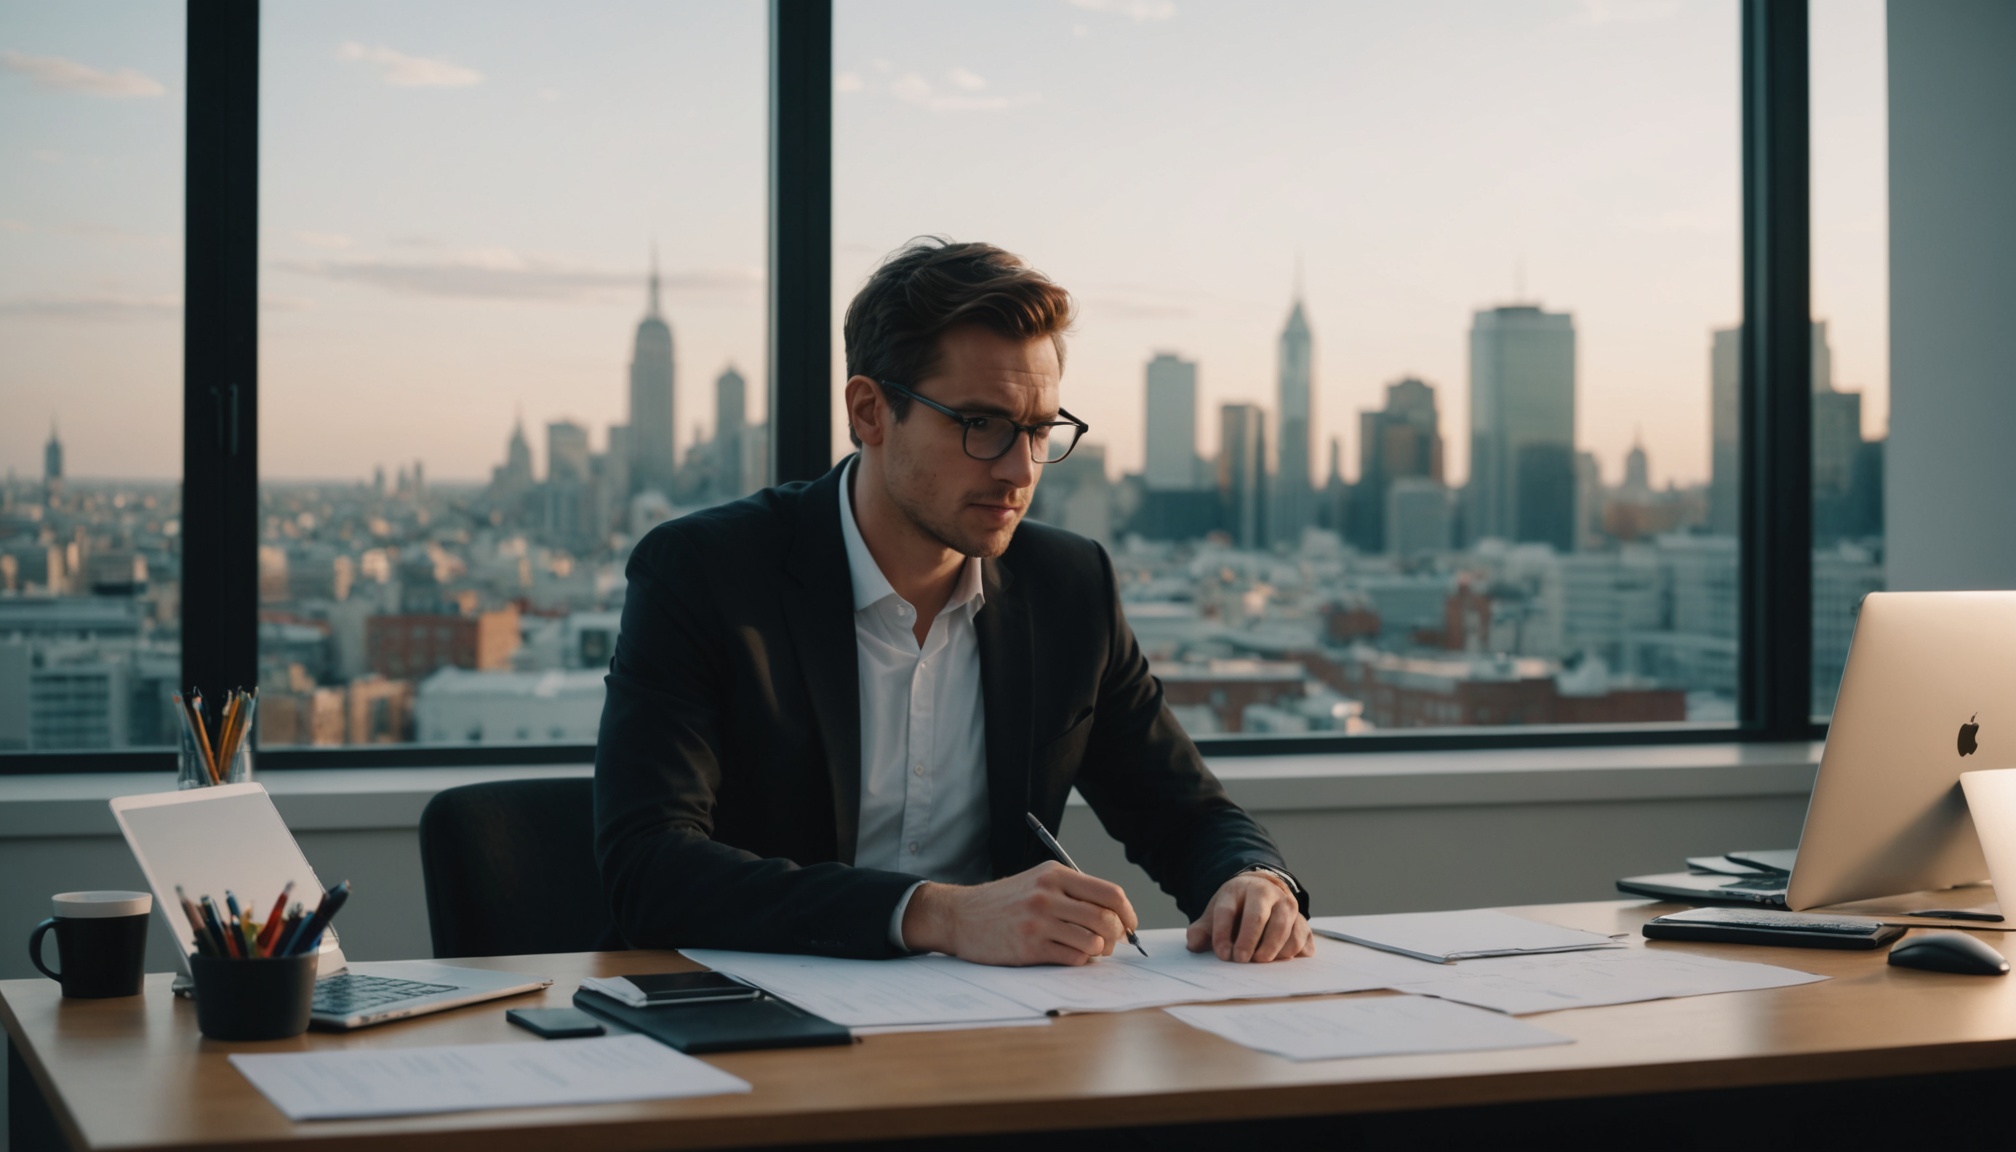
{"points": [[512, 259], [1399, 332], [91, 106]]}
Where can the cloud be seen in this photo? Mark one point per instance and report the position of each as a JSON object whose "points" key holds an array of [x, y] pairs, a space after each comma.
{"points": [[1139, 11], [70, 76], [501, 274], [913, 88], [403, 71], [12, 225], [99, 306], [849, 82]]}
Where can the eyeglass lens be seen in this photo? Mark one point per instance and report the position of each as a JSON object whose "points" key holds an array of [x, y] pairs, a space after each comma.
{"points": [[989, 438]]}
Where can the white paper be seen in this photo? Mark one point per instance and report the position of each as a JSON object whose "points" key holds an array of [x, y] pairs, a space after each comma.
{"points": [[1368, 1026], [1524, 984], [457, 1078], [1445, 936], [867, 993], [887, 995]]}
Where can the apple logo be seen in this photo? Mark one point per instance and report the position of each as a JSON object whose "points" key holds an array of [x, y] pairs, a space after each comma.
{"points": [[1967, 731]]}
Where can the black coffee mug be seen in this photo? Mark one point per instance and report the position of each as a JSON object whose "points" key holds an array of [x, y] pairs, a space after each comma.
{"points": [[101, 943]]}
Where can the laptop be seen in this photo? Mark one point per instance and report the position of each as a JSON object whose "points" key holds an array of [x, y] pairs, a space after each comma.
{"points": [[231, 837], [1927, 694]]}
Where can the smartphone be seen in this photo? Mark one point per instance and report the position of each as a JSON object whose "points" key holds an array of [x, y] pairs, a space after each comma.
{"points": [[555, 1023], [689, 988]]}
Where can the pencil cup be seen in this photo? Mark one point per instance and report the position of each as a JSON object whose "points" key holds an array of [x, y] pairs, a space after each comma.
{"points": [[190, 771], [265, 999]]}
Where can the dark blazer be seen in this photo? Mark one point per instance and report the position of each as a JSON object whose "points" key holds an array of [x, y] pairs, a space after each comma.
{"points": [[728, 774]]}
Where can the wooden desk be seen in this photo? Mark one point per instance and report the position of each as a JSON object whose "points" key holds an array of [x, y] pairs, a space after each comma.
{"points": [[133, 1074]]}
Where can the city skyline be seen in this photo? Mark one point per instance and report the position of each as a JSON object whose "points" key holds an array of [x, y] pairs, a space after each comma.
{"points": [[485, 291]]}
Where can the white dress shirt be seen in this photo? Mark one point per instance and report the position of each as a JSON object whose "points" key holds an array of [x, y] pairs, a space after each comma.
{"points": [[923, 731]]}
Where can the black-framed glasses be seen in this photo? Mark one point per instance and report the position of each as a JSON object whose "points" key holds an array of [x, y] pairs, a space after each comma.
{"points": [[990, 437]]}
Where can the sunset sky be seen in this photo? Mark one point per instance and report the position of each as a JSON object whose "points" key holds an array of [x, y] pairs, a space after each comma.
{"points": [[459, 201]]}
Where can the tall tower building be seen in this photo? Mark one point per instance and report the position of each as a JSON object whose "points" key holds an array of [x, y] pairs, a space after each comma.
{"points": [[1522, 426], [731, 419], [567, 452], [653, 429], [1172, 424], [1402, 440], [52, 461], [1242, 473], [1294, 499], [1725, 374]]}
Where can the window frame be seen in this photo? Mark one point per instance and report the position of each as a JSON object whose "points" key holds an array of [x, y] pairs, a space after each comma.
{"points": [[221, 392]]}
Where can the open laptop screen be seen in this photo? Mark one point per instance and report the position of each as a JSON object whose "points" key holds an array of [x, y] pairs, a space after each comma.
{"points": [[213, 840]]}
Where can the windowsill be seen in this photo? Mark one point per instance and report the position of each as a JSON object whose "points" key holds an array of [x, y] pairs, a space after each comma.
{"points": [[39, 807]]}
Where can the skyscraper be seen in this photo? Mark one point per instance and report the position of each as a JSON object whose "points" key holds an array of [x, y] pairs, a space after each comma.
{"points": [[1522, 426], [1172, 424], [731, 417], [1242, 473], [52, 458], [653, 429], [566, 452], [1294, 499], [1403, 439], [1725, 374]]}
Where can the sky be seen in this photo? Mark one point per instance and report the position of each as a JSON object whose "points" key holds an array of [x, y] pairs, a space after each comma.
{"points": [[459, 202]]}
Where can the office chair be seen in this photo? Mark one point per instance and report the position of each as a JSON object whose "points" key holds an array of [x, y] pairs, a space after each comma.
{"points": [[510, 870]]}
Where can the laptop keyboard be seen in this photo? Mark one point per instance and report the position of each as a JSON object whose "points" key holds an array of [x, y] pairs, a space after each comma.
{"points": [[348, 994]]}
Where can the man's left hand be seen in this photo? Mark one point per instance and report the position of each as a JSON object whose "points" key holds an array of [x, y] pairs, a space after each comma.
{"points": [[1252, 919]]}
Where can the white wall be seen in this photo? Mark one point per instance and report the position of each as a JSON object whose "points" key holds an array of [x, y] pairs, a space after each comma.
{"points": [[1950, 465]]}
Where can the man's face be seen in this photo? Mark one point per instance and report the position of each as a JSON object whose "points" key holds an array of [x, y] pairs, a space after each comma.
{"points": [[972, 506]]}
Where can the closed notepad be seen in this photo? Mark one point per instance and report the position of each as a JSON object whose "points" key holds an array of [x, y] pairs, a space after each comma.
{"points": [[721, 1026]]}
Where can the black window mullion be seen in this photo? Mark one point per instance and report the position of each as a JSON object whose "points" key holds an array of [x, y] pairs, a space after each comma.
{"points": [[801, 238], [1776, 565], [220, 345]]}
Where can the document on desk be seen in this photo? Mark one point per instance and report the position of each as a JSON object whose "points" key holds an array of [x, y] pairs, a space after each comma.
{"points": [[877, 994], [1442, 937], [1519, 985], [1374, 1026], [361, 1082], [1172, 974]]}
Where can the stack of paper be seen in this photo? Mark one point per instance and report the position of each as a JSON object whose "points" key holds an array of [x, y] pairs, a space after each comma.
{"points": [[930, 990], [409, 1081], [1441, 937], [1376, 1026], [1547, 983]]}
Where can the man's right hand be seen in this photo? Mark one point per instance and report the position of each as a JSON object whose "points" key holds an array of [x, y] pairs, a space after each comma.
{"points": [[1047, 915]]}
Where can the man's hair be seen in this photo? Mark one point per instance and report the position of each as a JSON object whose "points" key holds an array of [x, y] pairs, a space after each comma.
{"points": [[930, 286]]}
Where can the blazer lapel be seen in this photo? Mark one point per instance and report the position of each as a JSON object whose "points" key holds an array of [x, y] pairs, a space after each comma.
{"points": [[1007, 661], [821, 619]]}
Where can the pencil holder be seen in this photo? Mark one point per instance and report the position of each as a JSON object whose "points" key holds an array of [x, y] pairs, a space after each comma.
{"points": [[267, 999], [191, 773]]}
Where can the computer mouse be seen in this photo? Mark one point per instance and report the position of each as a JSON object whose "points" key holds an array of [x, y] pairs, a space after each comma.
{"points": [[1949, 952]]}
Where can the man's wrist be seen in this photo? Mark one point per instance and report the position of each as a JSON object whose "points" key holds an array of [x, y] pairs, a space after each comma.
{"points": [[1278, 876], [927, 921]]}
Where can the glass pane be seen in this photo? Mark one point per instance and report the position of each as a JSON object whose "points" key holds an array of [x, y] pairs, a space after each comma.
{"points": [[514, 318], [91, 114], [1851, 307], [1396, 330]]}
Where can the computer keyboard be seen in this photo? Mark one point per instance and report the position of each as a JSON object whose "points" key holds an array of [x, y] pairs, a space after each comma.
{"points": [[348, 994]]}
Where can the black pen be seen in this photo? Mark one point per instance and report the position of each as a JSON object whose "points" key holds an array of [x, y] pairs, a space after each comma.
{"points": [[1064, 858]]}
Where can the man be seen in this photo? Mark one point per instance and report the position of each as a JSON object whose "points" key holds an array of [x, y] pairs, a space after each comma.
{"points": [[832, 703]]}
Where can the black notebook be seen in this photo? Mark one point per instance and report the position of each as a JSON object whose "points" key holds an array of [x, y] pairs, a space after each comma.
{"points": [[720, 1026]]}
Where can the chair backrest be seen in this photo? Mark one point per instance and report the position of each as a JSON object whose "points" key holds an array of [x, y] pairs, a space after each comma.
{"points": [[510, 869]]}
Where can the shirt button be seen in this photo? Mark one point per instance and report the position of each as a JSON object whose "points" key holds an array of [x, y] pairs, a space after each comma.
{"points": [[913, 847], [902, 610], [919, 769], [923, 665]]}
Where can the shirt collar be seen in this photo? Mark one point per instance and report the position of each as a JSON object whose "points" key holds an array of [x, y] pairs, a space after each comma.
{"points": [[870, 585]]}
